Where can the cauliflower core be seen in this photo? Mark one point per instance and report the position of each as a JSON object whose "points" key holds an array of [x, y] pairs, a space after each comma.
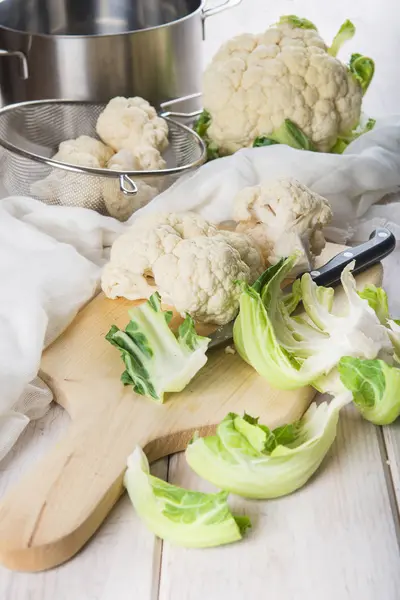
{"points": [[283, 216], [193, 265], [255, 82]]}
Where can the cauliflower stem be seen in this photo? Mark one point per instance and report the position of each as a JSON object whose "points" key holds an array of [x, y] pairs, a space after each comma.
{"points": [[288, 133]]}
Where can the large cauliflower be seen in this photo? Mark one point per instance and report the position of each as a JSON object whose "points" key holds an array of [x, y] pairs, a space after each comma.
{"points": [[127, 123], [192, 264], [283, 86], [283, 216]]}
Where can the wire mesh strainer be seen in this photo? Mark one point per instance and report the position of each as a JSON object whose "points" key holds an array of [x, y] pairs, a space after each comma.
{"points": [[31, 132]]}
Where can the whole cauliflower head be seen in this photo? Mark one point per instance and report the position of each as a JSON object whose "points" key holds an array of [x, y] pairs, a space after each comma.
{"points": [[255, 82], [199, 277], [127, 123], [189, 261], [84, 151], [283, 216]]}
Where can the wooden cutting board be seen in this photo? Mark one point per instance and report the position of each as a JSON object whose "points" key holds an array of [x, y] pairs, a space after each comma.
{"points": [[54, 510]]}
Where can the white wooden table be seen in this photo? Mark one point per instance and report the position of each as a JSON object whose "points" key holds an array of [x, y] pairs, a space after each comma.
{"points": [[336, 539]]}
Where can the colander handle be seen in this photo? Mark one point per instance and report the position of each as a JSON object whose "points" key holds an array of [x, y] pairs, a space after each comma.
{"points": [[127, 185], [22, 59], [165, 106]]}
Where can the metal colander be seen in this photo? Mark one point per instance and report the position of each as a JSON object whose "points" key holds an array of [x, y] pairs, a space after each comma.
{"points": [[30, 134]]}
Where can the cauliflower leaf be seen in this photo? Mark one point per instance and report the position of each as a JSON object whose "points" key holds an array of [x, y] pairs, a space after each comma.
{"points": [[345, 33], [293, 351], [253, 461], [182, 517], [156, 360], [375, 387], [297, 22]]}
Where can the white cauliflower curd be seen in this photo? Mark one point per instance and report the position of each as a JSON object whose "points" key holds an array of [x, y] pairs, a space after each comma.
{"points": [[84, 151], [137, 134], [120, 205], [189, 261], [127, 123], [282, 86], [283, 216]]}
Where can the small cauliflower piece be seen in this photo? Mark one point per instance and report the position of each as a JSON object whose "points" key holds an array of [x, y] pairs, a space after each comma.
{"points": [[120, 205], [144, 158], [84, 151], [283, 216], [66, 188], [129, 123], [199, 277]]}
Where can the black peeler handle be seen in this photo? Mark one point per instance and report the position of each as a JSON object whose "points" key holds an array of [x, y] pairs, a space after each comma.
{"points": [[380, 244]]}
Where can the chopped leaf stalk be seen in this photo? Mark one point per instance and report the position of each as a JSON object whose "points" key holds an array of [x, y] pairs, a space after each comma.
{"points": [[156, 360], [345, 33], [363, 69], [296, 22], [253, 461], [344, 140], [294, 351], [182, 517], [375, 386], [378, 301]]}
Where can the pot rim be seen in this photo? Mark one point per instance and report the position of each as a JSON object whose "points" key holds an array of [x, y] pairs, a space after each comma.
{"points": [[64, 36]]}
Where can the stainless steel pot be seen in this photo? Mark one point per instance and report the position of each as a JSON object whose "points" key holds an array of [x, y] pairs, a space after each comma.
{"points": [[96, 49]]}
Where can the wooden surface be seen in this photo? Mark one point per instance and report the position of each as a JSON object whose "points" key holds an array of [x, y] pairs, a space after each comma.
{"points": [[50, 514], [336, 538], [55, 509]]}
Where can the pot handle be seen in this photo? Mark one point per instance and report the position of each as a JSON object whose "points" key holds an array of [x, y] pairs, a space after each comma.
{"points": [[127, 185], [210, 12], [22, 59]]}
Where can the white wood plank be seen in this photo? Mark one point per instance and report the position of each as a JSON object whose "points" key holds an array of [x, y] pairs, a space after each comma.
{"points": [[121, 561], [333, 539]]}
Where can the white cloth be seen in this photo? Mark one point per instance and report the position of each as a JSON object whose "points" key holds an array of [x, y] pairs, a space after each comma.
{"points": [[368, 170], [50, 261], [51, 256]]}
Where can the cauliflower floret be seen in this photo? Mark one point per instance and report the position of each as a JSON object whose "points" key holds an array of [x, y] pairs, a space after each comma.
{"points": [[249, 251], [173, 248], [129, 123], [199, 278], [84, 151], [69, 189], [281, 217], [144, 158], [117, 282], [255, 82], [120, 205]]}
